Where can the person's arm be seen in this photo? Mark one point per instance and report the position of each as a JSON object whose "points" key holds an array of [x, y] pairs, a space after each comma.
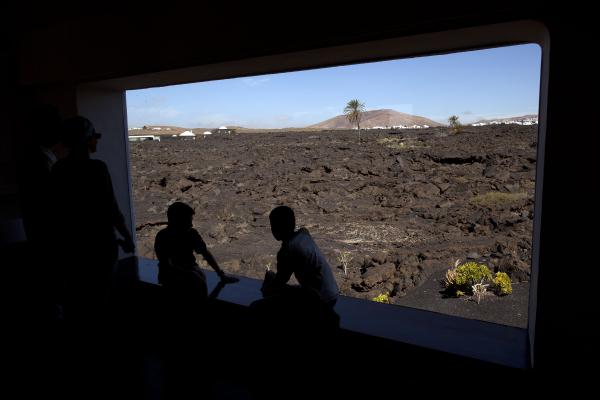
{"points": [[275, 282], [200, 248], [127, 243], [159, 249], [213, 263]]}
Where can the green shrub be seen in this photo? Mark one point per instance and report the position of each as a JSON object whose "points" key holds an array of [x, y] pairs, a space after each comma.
{"points": [[502, 284], [460, 280], [382, 298]]}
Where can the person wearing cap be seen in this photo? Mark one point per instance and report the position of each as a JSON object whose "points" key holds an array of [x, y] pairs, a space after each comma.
{"points": [[88, 216]]}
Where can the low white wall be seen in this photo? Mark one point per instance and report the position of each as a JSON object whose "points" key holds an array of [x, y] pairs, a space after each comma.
{"points": [[108, 112]]}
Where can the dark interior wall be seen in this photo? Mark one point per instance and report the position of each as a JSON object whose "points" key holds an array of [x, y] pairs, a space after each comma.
{"points": [[566, 337], [51, 57], [103, 47], [8, 138]]}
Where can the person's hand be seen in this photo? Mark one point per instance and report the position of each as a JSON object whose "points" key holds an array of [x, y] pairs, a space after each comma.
{"points": [[229, 279], [269, 275], [127, 245]]}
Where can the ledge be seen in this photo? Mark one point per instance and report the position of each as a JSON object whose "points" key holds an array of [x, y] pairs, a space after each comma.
{"points": [[500, 344]]}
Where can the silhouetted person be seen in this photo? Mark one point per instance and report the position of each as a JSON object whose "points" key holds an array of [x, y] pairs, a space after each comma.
{"points": [[40, 154], [175, 246], [299, 255], [310, 304], [88, 216], [294, 317], [185, 290], [44, 149], [183, 281]]}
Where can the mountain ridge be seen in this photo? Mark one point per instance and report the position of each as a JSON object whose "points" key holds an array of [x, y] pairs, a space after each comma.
{"points": [[381, 118]]}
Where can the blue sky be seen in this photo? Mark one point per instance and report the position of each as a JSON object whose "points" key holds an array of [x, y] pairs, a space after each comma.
{"points": [[474, 85]]}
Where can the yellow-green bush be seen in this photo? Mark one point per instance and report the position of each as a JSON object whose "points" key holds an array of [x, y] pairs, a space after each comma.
{"points": [[460, 280], [382, 298], [502, 284]]}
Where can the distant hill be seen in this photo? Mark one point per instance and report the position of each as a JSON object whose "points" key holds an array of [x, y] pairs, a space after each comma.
{"points": [[371, 119], [273, 130], [376, 118]]}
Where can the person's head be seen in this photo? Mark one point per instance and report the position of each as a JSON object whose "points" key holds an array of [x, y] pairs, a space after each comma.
{"points": [[180, 215], [79, 134], [283, 222]]}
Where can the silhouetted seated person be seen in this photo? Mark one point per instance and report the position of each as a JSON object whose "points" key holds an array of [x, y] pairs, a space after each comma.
{"points": [[301, 316], [185, 310], [312, 302], [178, 270], [299, 255], [88, 216]]}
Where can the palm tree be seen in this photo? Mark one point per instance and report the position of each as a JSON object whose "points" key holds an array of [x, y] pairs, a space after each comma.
{"points": [[454, 124], [353, 112]]}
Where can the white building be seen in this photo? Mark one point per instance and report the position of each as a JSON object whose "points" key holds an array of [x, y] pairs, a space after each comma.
{"points": [[522, 121], [187, 135], [224, 129], [143, 138]]}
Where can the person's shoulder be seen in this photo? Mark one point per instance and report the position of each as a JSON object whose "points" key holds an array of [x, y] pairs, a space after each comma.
{"points": [[194, 233], [162, 234], [299, 240], [301, 234], [82, 166], [303, 231], [64, 170], [98, 165], [59, 166]]}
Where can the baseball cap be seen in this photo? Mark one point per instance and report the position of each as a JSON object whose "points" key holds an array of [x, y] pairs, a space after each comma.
{"points": [[78, 130]]}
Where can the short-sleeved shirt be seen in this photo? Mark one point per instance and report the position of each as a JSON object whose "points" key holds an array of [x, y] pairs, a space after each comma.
{"points": [[85, 206], [175, 248], [301, 256]]}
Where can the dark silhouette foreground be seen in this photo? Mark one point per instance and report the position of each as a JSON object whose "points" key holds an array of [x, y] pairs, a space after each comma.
{"points": [[87, 214], [175, 246], [295, 327]]}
